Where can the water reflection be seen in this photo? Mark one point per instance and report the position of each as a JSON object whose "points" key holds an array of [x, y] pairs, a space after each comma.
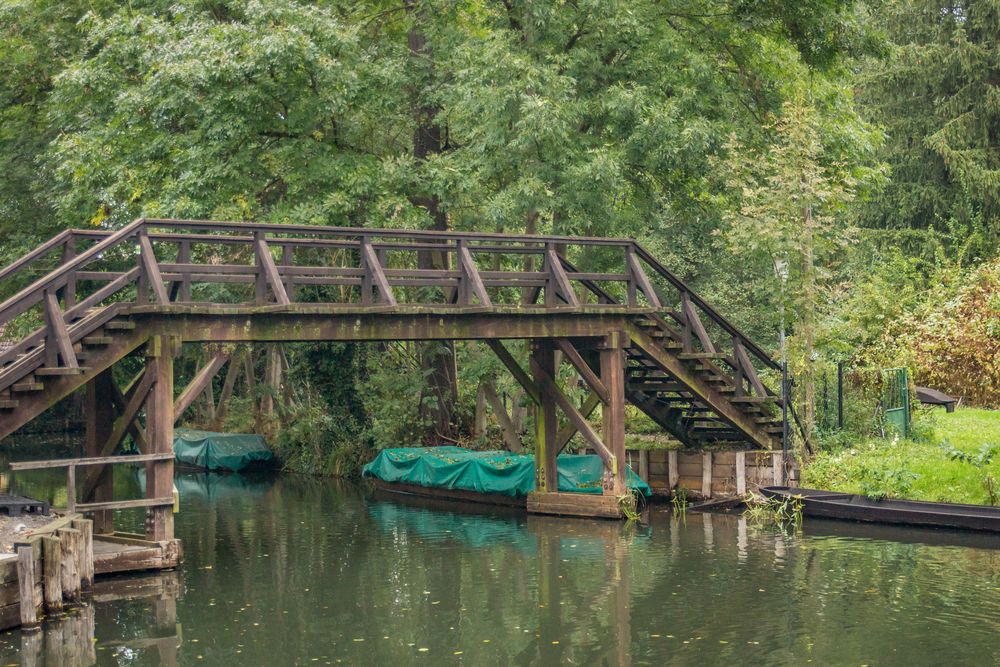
{"points": [[295, 570]]}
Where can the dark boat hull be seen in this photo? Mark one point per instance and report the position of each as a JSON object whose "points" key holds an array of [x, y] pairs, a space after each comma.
{"points": [[850, 507], [449, 494]]}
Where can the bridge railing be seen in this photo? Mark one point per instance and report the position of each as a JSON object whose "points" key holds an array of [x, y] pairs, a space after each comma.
{"points": [[159, 261]]}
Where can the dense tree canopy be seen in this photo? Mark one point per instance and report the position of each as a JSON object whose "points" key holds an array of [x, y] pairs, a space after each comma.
{"points": [[687, 125]]}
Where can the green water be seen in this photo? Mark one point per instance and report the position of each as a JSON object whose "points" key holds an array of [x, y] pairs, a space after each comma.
{"points": [[288, 570]]}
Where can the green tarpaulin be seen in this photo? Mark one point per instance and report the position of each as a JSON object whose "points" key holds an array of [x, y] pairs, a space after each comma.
{"points": [[487, 472], [220, 451]]}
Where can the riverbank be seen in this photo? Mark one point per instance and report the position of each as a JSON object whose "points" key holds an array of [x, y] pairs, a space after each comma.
{"points": [[919, 470]]}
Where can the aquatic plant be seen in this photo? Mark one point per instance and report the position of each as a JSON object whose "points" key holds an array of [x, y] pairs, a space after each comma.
{"points": [[785, 510], [680, 500]]}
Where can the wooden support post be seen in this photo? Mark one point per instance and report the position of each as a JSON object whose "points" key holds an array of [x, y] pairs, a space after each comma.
{"points": [[150, 269], [52, 574], [511, 437], [613, 379], [232, 372], [267, 273], [673, 473], [26, 585], [778, 468], [515, 369], [57, 342], [706, 474], [160, 430], [184, 257], [567, 432], [86, 550], [741, 474], [543, 360], [201, 381], [100, 414], [69, 563], [644, 465], [589, 376]]}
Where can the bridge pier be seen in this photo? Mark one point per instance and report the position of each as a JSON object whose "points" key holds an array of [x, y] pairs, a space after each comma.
{"points": [[160, 434], [543, 360], [612, 352], [100, 424]]}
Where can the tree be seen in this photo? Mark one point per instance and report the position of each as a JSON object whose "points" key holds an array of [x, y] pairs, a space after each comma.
{"points": [[938, 97], [791, 209]]}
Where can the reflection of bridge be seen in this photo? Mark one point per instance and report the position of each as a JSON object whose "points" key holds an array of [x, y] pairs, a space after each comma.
{"points": [[631, 329]]}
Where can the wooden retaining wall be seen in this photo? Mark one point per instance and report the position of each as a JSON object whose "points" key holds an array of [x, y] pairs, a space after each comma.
{"points": [[710, 474], [50, 569]]}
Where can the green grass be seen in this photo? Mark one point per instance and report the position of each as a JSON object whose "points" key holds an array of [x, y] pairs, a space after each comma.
{"points": [[919, 470]]}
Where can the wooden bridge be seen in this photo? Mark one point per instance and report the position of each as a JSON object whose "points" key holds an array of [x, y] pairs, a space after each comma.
{"points": [[631, 329]]}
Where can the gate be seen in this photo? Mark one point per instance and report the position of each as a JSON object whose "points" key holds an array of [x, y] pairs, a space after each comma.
{"points": [[896, 399]]}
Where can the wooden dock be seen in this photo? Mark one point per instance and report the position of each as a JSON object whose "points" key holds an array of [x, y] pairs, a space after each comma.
{"points": [[56, 565]]}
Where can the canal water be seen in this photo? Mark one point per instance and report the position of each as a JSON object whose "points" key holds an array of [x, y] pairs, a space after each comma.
{"points": [[290, 570]]}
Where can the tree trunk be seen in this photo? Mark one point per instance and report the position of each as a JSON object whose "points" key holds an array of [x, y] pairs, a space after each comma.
{"points": [[437, 359], [807, 320]]}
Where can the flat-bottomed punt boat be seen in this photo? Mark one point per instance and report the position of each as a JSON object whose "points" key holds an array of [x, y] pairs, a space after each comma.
{"points": [[852, 507]]}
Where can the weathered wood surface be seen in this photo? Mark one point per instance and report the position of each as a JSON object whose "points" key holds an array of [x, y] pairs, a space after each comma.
{"points": [[574, 504]]}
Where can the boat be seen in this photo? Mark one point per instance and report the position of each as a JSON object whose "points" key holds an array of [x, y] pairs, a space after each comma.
{"points": [[853, 507], [496, 477], [224, 452]]}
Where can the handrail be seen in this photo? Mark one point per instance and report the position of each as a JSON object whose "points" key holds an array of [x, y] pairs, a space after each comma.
{"points": [[33, 293], [42, 250], [716, 317]]}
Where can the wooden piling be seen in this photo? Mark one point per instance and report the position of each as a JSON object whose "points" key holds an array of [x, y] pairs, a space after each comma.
{"points": [[741, 474], [69, 568], [85, 551], [26, 585], [673, 473], [706, 475], [52, 594]]}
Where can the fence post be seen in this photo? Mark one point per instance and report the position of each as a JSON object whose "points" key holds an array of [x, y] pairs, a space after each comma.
{"points": [[840, 394]]}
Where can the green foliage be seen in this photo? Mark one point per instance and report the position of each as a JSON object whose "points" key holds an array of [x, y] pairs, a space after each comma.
{"points": [[917, 470], [783, 511], [981, 461]]}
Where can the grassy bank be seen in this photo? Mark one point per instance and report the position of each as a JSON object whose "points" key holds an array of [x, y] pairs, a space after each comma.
{"points": [[922, 469]]}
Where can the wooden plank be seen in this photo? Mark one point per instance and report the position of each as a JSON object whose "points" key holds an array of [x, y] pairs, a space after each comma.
{"points": [[166, 501], [471, 274], [151, 269], [373, 268], [266, 264], [26, 585], [574, 504], [585, 371], [98, 460], [559, 277], [199, 382], [57, 340], [515, 369], [778, 467]]}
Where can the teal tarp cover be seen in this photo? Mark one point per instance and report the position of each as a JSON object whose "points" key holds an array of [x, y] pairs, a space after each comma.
{"points": [[500, 472], [219, 451]]}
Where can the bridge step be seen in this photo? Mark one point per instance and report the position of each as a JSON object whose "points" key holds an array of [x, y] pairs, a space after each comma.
{"points": [[7, 404], [690, 356], [97, 340], [755, 399], [61, 370], [25, 387], [120, 325]]}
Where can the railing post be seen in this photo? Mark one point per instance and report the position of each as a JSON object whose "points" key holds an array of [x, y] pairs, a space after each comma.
{"points": [[184, 257], [260, 279], [738, 372], [686, 332], [70, 489], [287, 261], [630, 278], [464, 295], [366, 278], [69, 290]]}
